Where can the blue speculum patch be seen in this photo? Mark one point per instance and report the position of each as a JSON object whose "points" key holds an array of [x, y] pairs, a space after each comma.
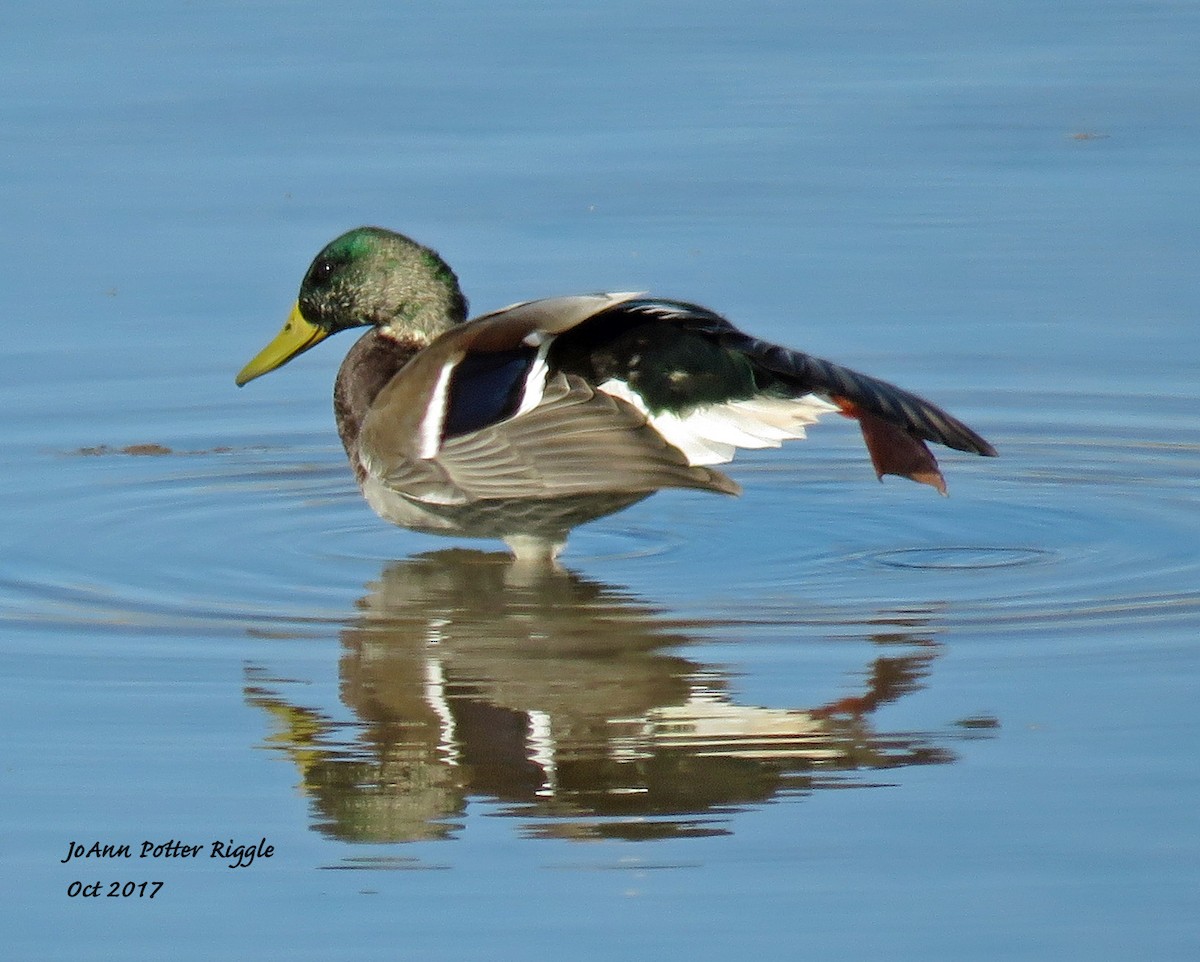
{"points": [[485, 389]]}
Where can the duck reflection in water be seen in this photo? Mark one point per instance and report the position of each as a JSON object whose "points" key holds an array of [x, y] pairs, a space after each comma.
{"points": [[567, 701]]}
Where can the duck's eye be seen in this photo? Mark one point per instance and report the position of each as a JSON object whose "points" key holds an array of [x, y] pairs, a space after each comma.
{"points": [[321, 271]]}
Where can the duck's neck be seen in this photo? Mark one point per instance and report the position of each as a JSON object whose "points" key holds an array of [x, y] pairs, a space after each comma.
{"points": [[373, 361], [430, 302]]}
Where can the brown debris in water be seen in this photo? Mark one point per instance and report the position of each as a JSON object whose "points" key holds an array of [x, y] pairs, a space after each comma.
{"points": [[143, 450]]}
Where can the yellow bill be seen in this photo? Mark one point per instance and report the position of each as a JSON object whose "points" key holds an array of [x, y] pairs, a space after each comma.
{"points": [[297, 336]]}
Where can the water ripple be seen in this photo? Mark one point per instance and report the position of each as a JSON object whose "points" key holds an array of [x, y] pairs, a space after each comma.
{"points": [[1070, 527], [960, 557]]}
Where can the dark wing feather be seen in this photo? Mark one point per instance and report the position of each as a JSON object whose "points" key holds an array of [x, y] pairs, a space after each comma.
{"points": [[919, 417], [803, 373], [663, 351]]}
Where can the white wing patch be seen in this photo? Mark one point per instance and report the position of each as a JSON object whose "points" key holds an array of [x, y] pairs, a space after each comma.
{"points": [[712, 433], [535, 377], [430, 430]]}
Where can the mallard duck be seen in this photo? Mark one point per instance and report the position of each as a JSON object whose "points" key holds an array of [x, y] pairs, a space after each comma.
{"points": [[523, 423]]}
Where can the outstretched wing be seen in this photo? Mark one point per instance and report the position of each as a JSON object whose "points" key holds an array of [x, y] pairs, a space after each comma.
{"points": [[702, 381], [622, 393]]}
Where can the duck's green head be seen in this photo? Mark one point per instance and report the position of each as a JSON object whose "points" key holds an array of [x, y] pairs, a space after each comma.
{"points": [[368, 276]]}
